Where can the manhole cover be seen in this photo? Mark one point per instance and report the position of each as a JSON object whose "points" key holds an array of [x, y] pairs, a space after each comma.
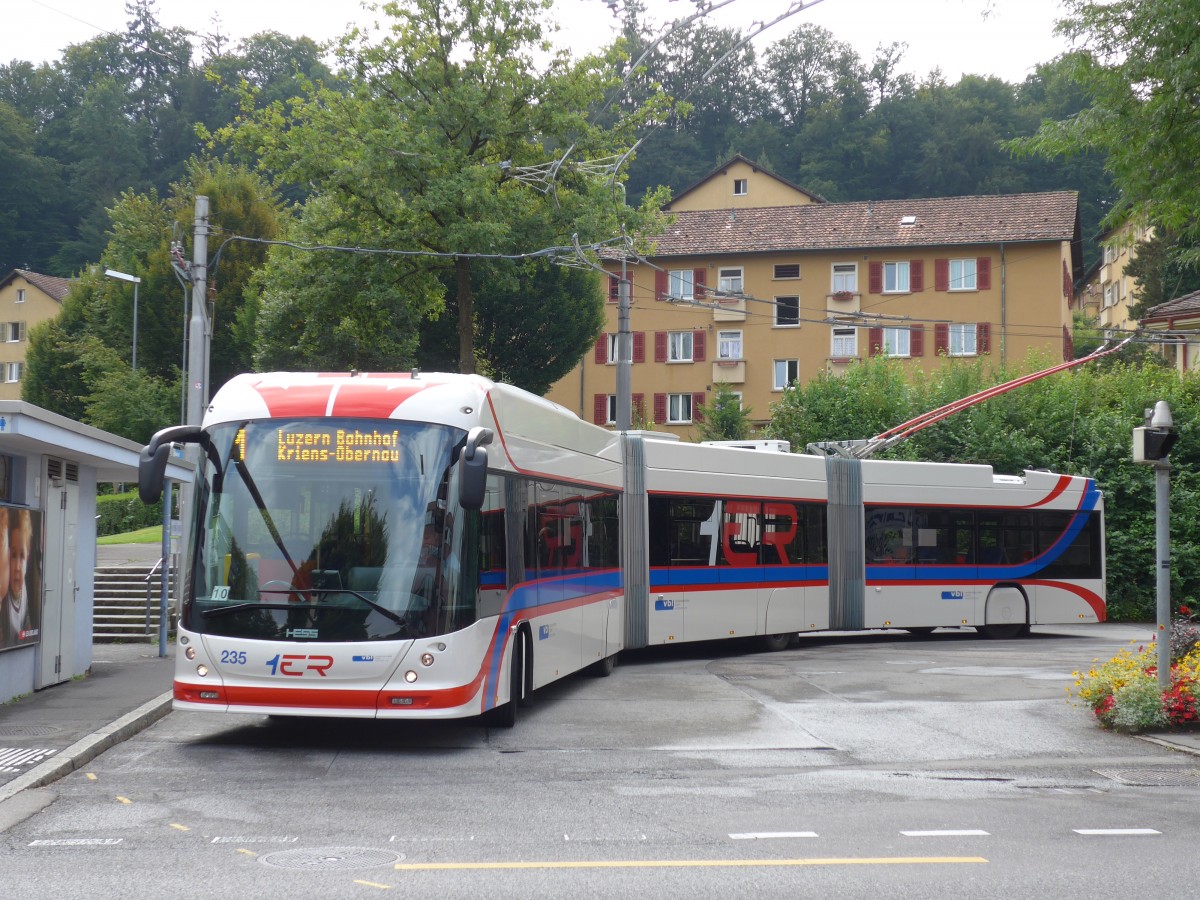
{"points": [[1153, 777], [330, 858], [28, 730]]}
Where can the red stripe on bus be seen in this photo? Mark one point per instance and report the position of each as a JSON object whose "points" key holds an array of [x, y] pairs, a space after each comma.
{"points": [[1064, 482], [1092, 599]]}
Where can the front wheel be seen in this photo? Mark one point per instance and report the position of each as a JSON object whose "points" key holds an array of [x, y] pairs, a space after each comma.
{"points": [[604, 667], [773, 643], [506, 716]]}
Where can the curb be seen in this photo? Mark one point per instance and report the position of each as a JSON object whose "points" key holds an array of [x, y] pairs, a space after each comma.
{"points": [[86, 749], [1170, 745]]}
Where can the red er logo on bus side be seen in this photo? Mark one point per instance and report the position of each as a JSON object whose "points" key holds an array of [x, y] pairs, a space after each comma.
{"points": [[297, 664]]}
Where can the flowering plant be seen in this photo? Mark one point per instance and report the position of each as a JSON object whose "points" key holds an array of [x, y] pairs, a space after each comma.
{"points": [[1124, 693]]}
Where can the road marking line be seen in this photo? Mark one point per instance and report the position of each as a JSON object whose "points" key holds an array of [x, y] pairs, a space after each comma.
{"points": [[1115, 831], [179, 827], [374, 884], [965, 832], [91, 776], [247, 852], [763, 835], [124, 800], [692, 863]]}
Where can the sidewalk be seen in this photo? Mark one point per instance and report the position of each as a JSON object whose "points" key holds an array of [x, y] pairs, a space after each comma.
{"points": [[54, 731]]}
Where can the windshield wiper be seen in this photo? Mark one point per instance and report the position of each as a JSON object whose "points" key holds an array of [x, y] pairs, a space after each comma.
{"points": [[383, 610]]}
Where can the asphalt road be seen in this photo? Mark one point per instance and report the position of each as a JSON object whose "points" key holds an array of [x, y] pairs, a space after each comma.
{"points": [[864, 766]]}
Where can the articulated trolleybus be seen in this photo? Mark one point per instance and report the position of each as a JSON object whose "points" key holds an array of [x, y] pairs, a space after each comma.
{"points": [[439, 546]]}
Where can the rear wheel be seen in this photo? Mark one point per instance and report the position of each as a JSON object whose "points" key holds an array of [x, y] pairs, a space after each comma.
{"points": [[1005, 631], [603, 668], [773, 643]]}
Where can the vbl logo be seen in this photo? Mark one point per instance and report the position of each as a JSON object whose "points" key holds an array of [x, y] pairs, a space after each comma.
{"points": [[296, 664]]}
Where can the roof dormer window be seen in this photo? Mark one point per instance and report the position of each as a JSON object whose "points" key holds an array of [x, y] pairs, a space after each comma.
{"points": [[741, 187]]}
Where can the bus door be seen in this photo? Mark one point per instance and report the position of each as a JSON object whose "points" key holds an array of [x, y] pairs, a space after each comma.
{"points": [[890, 551], [782, 600], [732, 609]]}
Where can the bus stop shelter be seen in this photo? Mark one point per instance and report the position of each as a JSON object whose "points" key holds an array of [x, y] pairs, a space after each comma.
{"points": [[50, 467]]}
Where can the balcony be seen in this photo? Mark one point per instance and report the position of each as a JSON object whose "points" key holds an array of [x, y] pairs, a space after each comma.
{"points": [[843, 303], [729, 309], [729, 371]]}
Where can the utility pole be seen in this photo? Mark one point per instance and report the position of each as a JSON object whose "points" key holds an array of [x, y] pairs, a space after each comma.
{"points": [[624, 351], [198, 326], [1151, 446]]}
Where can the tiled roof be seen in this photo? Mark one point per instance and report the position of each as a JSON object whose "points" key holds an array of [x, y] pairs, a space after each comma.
{"points": [[938, 221], [51, 285], [1187, 305]]}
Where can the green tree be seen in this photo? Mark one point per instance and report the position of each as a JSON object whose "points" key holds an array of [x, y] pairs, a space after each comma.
{"points": [[434, 142], [1139, 66], [724, 419], [1163, 269]]}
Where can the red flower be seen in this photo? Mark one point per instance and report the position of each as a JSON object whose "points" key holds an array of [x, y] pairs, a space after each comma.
{"points": [[1184, 611]]}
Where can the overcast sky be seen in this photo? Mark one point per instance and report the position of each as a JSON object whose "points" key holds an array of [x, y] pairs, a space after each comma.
{"points": [[1006, 38]]}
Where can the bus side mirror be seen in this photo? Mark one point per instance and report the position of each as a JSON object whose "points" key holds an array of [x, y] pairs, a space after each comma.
{"points": [[472, 468], [152, 461]]}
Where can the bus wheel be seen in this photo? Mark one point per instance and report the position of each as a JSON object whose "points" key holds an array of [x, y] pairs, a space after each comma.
{"points": [[506, 716], [773, 643], [1003, 632], [603, 668]]}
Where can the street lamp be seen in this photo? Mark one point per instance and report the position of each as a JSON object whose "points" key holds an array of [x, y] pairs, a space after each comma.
{"points": [[121, 276]]}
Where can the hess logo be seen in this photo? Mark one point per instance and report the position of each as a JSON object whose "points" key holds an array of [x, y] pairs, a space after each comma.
{"points": [[299, 664]]}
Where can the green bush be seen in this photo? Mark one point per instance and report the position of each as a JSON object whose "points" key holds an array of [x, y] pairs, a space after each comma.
{"points": [[119, 513]]}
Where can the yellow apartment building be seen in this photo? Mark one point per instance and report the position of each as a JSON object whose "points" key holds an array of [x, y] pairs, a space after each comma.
{"points": [[26, 299], [1179, 322], [758, 283]]}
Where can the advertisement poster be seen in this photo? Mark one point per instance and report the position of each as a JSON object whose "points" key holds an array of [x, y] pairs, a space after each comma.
{"points": [[20, 576]]}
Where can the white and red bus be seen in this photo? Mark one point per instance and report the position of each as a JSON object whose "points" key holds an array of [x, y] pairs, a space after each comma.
{"points": [[439, 546]]}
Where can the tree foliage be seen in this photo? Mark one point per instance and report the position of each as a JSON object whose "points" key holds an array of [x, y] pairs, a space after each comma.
{"points": [[1138, 64], [723, 418]]}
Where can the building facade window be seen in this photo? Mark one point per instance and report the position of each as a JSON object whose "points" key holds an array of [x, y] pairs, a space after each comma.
{"points": [[897, 341], [741, 187], [845, 278], [681, 286], [729, 345], [787, 271], [962, 275], [12, 372], [20, 295], [895, 277], [679, 408], [613, 345], [962, 340], [14, 332], [679, 346], [786, 371], [730, 281], [844, 343], [787, 310], [611, 417]]}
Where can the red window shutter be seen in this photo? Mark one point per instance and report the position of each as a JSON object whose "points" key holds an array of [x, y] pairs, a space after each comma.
{"points": [[916, 340], [600, 409], [875, 278], [639, 406], [697, 402], [941, 274], [983, 337], [601, 357], [699, 282], [699, 346], [660, 409], [614, 288], [941, 339], [916, 275], [661, 284], [660, 346], [1067, 287], [874, 341], [639, 346], [983, 273]]}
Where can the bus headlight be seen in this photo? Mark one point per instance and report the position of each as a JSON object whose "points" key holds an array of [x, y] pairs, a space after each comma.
{"points": [[427, 659], [190, 652], [410, 676], [202, 671]]}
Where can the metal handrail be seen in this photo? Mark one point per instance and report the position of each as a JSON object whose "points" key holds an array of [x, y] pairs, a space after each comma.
{"points": [[154, 571]]}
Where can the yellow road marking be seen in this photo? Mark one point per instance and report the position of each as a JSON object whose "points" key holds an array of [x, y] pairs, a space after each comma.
{"points": [[91, 776], [374, 884], [247, 852], [125, 800], [695, 863], [179, 827]]}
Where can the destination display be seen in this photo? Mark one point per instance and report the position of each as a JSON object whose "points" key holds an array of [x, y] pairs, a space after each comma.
{"points": [[345, 445]]}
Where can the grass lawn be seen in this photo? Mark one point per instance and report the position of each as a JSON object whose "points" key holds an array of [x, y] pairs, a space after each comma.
{"points": [[151, 535]]}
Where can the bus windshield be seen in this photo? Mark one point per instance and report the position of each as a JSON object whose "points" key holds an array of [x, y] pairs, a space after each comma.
{"points": [[330, 530]]}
